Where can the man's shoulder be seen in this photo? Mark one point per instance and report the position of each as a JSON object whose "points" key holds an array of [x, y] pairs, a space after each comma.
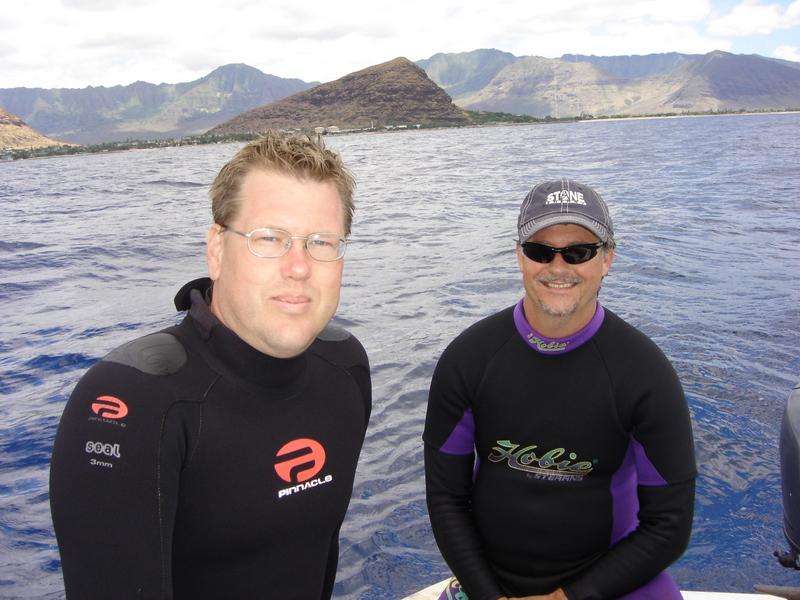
{"points": [[616, 325], [497, 326], [144, 364], [158, 353], [144, 375], [479, 342], [338, 345], [625, 339]]}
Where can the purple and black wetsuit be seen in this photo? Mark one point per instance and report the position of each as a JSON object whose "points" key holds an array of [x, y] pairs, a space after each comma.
{"points": [[559, 462]]}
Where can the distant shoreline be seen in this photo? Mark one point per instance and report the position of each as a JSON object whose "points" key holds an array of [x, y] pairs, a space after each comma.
{"points": [[692, 115], [484, 119]]}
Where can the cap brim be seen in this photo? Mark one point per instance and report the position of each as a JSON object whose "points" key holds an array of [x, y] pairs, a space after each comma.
{"points": [[532, 227]]}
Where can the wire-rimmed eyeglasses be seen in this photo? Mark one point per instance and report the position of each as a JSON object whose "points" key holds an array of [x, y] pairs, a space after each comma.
{"points": [[274, 243]]}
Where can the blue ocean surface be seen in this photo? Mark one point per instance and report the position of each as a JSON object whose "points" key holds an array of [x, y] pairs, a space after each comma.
{"points": [[707, 212]]}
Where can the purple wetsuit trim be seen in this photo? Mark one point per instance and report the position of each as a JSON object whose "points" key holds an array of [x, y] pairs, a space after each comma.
{"points": [[625, 502], [462, 439], [547, 345], [636, 469], [661, 587], [648, 474]]}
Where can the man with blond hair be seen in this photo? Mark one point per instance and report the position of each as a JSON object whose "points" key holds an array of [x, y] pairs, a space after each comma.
{"points": [[215, 459]]}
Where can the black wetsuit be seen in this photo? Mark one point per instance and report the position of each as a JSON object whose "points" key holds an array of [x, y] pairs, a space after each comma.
{"points": [[188, 465], [540, 454]]}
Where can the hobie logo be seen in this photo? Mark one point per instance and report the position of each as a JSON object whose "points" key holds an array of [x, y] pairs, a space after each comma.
{"points": [[541, 465], [565, 197], [543, 346], [301, 460], [109, 407]]}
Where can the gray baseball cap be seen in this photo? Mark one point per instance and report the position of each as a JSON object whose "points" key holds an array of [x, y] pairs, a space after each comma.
{"points": [[564, 201]]}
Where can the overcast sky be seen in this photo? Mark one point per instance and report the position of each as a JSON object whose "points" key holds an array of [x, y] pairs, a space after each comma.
{"points": [[76, 43]]}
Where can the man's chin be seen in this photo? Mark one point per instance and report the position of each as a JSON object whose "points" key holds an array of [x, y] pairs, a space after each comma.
{"points": [[561, 312], [283, 346]]}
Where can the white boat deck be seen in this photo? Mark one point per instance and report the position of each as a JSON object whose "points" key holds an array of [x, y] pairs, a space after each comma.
{"points": [[432, 593]]}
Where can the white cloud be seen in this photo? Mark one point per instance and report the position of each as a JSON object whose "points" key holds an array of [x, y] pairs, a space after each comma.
{"points": [[753, 17], [103, 5], [6, 50], [615, 27], [122, 42], [787, 53], [75, 43], [678, 11], [792, 16]]}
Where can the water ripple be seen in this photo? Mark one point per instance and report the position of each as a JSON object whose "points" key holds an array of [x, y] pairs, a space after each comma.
{"points": [[706, 265]]}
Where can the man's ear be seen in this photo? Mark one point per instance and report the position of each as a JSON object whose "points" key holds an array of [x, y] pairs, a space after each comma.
{"points": [[608, 258], [520, 257], [214, 249]]}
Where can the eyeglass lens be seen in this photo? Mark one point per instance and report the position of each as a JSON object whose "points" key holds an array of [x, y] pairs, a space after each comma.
{"points": [[574, 255]]}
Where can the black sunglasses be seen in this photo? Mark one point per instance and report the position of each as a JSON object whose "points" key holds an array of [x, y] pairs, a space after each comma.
{"points": [[574, 255]]}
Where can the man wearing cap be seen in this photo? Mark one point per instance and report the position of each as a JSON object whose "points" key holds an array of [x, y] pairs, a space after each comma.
{"points": [[558, 448]]}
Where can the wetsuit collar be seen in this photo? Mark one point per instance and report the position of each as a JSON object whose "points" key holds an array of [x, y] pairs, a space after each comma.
{"points": [[548, 345], [230, 354]]}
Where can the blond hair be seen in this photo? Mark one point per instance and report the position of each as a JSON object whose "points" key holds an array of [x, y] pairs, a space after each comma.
{"points": [[286, 154]]}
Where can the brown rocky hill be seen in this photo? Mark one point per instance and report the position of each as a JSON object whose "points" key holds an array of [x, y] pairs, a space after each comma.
{"points": [[393, 93], [16, 135]]}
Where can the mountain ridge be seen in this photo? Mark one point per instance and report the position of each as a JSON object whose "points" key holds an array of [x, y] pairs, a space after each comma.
{"points": [[147, 110], [576, 85], [488, 80]]}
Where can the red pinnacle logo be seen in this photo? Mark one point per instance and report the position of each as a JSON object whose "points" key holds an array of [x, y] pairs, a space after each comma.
{"points": [[306, 459], [109, 407]]}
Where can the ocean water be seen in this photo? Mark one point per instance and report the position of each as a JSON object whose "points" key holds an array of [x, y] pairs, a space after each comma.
{"points": [[93, 249]]}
